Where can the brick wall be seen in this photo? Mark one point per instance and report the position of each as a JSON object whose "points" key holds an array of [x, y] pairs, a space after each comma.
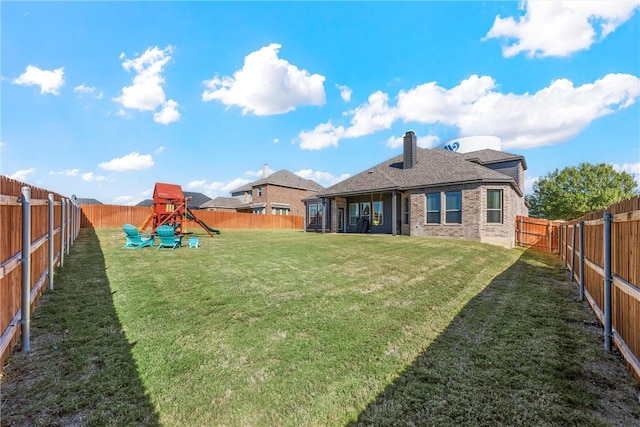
{"points": [[474, 218], [277, 194]]}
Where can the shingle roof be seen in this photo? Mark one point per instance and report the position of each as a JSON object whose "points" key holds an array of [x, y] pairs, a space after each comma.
{"points": [[488, 156], [434, 167], [283, 178], [222, 202], [84, 201], [146, 203], [197, 199]]}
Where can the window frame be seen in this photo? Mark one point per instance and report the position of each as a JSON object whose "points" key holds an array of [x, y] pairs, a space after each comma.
{"points": [[500, 209], [438, 198], [377, 213], [353, 216], [449, 211]]}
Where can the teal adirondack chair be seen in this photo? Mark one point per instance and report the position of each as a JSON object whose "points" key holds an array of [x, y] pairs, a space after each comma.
{"points": [[135, 240], [168, 238]]}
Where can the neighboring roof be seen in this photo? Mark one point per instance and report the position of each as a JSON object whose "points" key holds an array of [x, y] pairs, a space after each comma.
{"points": [[243, 189], [222, 202], [146, 203], [197, 199], [488, 156], [283, 178], [82, 201], [434, 167]]}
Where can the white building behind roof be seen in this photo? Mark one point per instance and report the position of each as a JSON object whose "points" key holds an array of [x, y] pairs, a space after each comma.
{"points": [[473, 143]]}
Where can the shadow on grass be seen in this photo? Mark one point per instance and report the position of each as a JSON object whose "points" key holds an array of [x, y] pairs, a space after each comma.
{"points": [[522, 352], [80, 369]]}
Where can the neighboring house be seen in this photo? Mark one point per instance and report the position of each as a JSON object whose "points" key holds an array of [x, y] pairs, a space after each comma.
{"points": [[83, 201], [429, 192], [196, 202], [280, 193], [229, 204]]}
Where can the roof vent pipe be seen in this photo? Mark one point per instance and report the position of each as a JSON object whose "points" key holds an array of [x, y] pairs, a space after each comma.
{"points": [[410, 150], [265, 170]]}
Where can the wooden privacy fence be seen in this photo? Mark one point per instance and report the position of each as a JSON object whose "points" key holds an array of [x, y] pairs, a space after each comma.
{"points": [[37, 228], [602, 252], [113, 216], [538, 234]]}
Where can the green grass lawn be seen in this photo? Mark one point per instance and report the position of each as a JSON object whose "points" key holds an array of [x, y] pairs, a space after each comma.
{"points": [[284, 328]]}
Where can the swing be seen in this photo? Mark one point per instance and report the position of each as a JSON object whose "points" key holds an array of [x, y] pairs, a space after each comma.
{"points": [[376, 216]]}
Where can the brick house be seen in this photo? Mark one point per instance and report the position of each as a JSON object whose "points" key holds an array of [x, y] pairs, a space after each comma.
{"points": [[430, 192], [280, 193]]}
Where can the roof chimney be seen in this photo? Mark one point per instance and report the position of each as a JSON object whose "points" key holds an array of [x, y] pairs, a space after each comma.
{"points": [[410, 150], [265, 170]]}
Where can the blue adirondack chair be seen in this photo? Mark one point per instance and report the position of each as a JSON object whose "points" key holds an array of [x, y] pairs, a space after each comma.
{"points": [[168, 238], [135, 240]]}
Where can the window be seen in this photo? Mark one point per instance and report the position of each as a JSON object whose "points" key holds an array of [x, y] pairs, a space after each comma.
{"points": [[313, 210], [433, 208], [259, 211], [279, 211], [320, 205], [353, 214], [494, 206], [377, 213], [365, 208], [453, 214], [259, 190], [406, 210]]}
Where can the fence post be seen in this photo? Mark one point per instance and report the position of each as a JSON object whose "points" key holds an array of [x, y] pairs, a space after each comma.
{"points": [[63, 213], [550, 228], [581, 266], [607, 281], [520, 232], [25, 318], [51, 229], [68, 227], [564, 244], [573, 250]]}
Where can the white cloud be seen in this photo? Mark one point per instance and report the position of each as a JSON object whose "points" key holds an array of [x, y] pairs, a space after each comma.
{"points": [[325, 179], [560, 28], [550, 116], [160, 149], [126, 200], [345, 92], [68, 172], [528, 184], [88, 90], [197, 184], [632, 168], [49, 81], [217, 188], [91, 177], [21, 175], [266, 85], [322, 136], [168, 114], [260, 172], [147, 192], [276, 140], [428, 141], [132, 161], [371, 117], [146, 92]]}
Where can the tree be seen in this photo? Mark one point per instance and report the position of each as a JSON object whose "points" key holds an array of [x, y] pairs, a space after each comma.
{"points": [[575, 191]]}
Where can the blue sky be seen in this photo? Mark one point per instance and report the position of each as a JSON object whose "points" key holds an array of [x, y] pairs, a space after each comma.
{"points": [[104, 99]]}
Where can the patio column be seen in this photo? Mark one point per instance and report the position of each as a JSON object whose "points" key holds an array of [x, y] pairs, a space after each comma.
{"points": [[324, 214], [394, 213]]}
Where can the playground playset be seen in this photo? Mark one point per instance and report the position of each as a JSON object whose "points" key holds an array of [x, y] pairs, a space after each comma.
{"points": [[170, 208]]}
